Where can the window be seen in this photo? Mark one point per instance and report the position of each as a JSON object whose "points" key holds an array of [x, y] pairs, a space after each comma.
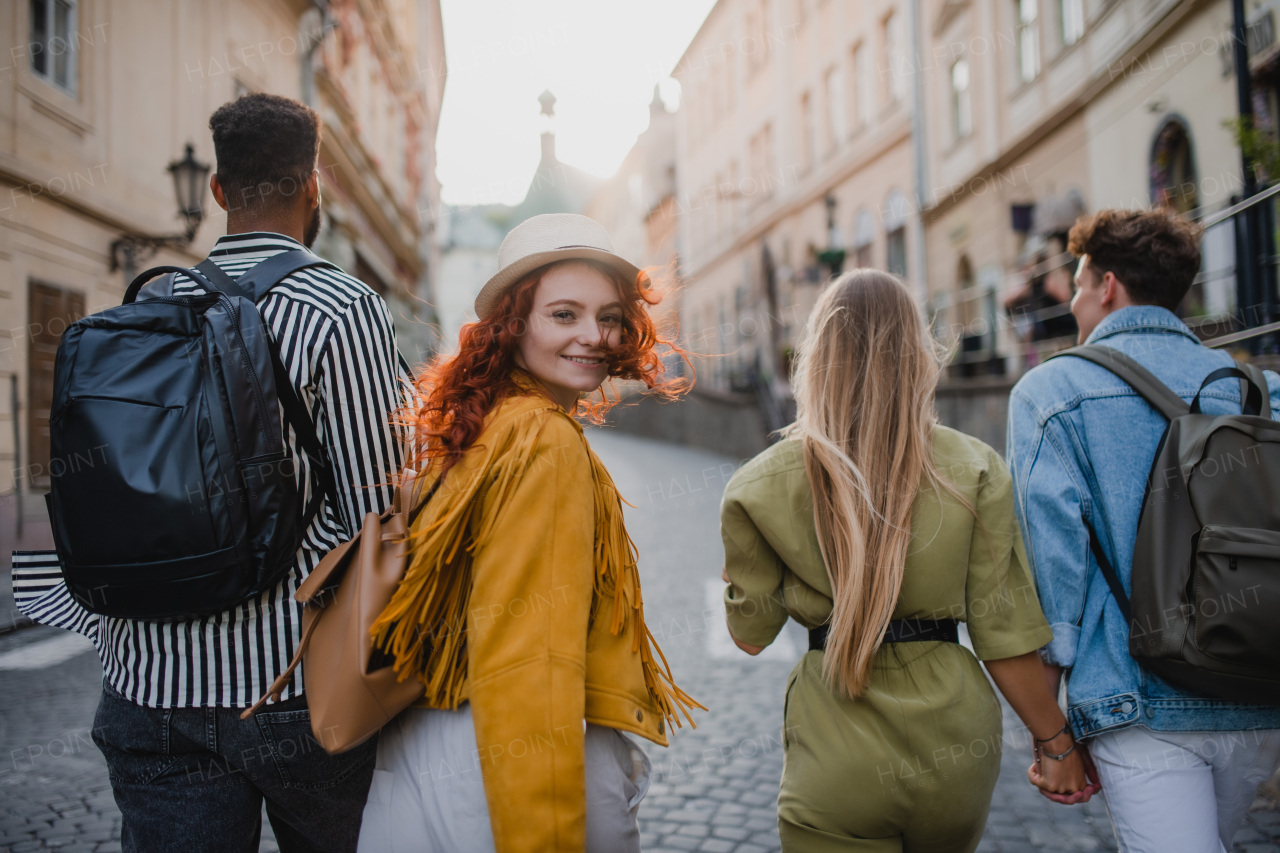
{"points": [[53, 42], [961, 101], [735, 193], [1028, 40], [766, 147], [807, 140], [759, 183], [863, 88], [717, 209], [729, 89], [835, 124], [897, 212], [1173, 170], [864, 237], [756, 44], [895, 62], [896, 241], [1070, 21]]}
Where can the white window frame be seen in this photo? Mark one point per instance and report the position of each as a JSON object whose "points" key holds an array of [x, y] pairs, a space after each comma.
{"points": [[961, 99], [836, 126], [808, 133], [863, 86], [895, 57], [1070, 21], [69, 40], [1028, 25]]}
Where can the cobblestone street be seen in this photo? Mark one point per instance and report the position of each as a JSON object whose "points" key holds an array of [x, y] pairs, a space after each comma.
{"points": [[714, 790]]}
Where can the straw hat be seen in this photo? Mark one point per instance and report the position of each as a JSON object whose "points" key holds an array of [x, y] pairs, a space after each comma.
{"points": [[545, 239]]}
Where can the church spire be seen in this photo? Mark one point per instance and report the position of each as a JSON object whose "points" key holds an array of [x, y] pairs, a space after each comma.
{"points": [[547, 120]]}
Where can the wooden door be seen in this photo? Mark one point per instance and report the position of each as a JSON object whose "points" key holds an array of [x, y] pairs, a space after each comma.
{"points": [[49, 311]]}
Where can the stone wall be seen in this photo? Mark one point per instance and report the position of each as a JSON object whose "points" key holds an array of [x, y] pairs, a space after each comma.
{"points": [[726, 423], [979, 407], [731, 423]]}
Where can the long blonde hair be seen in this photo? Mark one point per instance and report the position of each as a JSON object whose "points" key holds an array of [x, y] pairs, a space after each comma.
{"points": [[864, 387]]}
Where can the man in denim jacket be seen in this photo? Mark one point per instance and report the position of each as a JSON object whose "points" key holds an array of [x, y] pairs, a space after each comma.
{"points": [[1178, 770]]}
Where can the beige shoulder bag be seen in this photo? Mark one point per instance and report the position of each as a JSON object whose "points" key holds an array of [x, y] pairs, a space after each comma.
{"points": [[351, 688]]}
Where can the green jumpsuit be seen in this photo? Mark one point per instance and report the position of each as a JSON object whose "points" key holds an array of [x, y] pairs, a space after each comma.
{"points": [[910, 765]]}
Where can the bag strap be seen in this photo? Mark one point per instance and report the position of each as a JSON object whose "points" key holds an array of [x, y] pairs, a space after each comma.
{"points": [[320, 578], [256, 282], [1161, 398], [1151, 389], [278, 686], [1108, 572], [274, 270], [1250, 400], [135, 286], [1260, 379]]}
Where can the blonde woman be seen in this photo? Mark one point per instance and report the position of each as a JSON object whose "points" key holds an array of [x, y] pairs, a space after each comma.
{"points": [[880, 530]]}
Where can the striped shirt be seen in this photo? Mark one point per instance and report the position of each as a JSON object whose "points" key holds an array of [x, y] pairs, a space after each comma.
{"points": [[336, 340]]}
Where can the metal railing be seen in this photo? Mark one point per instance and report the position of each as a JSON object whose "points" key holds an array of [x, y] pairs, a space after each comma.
{"points": [[986, 337]]}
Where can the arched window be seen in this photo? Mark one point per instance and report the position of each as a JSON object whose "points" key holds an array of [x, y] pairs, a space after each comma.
{"points": [[1173, 168]]}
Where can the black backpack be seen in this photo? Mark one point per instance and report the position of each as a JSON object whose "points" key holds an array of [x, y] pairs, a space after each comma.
{"points": [[173, 492], [1206, 562]]}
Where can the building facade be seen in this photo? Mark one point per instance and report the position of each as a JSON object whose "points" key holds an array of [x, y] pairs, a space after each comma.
{"points": [[797, 150], [97, 97], [794, 158], [1042, 110], [637, 206]]}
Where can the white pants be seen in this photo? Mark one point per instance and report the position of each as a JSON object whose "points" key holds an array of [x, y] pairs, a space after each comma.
{"points": [[1181, 791], [428, 795]]}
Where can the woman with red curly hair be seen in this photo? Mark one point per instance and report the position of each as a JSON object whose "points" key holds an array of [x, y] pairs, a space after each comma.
{"points": [[521, 610]]}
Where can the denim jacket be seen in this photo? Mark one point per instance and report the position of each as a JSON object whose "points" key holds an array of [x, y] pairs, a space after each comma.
{"points": [[1080, 445]]}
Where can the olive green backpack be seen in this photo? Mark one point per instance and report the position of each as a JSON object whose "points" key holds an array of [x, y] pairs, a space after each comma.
{"points": [[1204, 613]]}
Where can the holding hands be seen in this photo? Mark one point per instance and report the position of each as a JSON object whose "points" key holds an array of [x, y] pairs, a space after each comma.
{"points": [[1066, 777]]}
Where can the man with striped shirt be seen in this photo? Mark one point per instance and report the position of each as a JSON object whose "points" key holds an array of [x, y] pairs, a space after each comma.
{"points": [[187, 772]]}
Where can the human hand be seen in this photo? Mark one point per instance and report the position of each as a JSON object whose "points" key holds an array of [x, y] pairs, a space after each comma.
{"points": [[1061, 782], [724, 574]]}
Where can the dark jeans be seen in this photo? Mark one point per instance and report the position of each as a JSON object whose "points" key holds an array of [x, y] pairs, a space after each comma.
{"points": [[194, 779]]}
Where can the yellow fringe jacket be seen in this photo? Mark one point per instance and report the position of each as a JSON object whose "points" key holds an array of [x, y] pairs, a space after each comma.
{"points": [[522, 597]]}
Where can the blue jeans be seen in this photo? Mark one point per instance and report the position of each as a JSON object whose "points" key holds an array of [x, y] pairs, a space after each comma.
{"points": [[194, 779]]}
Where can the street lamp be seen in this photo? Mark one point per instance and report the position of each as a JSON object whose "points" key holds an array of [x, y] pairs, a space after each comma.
{"points": [[833, 255], [190, 179]]}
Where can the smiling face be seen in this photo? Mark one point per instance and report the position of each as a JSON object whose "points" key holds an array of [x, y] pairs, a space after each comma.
{"points": [[576, 316]]}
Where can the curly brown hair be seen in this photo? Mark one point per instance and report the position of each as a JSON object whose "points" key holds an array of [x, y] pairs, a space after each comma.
{"points": [[266, 146], [1154, 253]]}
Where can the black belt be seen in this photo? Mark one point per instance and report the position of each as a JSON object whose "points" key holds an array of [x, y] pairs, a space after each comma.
{"points": [[900, 631]]}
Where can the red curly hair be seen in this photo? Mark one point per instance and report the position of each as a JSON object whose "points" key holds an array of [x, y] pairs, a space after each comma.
{"points": [[459, 390]]}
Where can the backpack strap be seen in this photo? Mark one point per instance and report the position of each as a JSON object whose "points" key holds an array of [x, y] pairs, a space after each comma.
{"points": [[258, 280], [1151, 389], [270, 273], [1260, 379], [1251, 398], [165, 288], [1108, 572], [1162, 399]]}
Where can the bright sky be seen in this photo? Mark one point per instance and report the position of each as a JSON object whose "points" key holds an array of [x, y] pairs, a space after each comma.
{"points": [[600, 58]]}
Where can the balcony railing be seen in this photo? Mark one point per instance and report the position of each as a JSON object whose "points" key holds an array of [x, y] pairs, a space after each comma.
{"points": [[985, 337]]}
